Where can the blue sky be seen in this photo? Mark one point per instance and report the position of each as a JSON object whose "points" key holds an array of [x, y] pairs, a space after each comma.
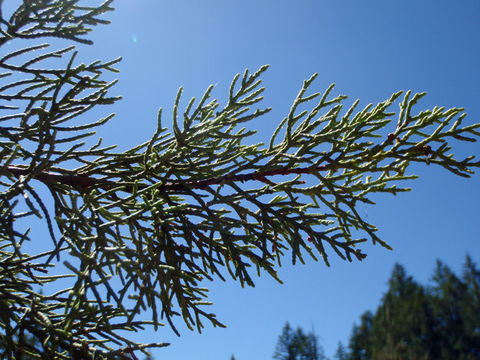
{"points": [[370, 49]]}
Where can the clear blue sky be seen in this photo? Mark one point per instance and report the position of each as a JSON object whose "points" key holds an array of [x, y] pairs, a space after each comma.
{"points": [[370, 49]]}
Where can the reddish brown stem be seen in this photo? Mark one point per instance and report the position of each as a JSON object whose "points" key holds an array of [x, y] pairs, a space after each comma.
{"points": [[84, 182]]}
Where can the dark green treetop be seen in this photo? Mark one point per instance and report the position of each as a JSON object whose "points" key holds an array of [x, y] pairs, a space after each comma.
{"points": [[422, 322], [138, 233], [295, 344], [341, 353]]}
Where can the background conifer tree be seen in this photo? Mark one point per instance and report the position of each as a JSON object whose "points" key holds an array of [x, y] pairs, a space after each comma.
{"points": [[341, 353], [422, 322], [136, 234], [360, 342], [296, 345]]}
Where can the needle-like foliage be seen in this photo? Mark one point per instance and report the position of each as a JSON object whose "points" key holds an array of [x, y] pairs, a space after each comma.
{"points": [[137, 234]]}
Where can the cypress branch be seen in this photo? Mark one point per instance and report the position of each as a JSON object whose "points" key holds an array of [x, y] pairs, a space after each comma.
{"points": [[140, 232]]}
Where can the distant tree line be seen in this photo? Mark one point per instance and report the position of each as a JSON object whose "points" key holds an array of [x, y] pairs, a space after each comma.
{"points": [[441, 321], [412, 322]]}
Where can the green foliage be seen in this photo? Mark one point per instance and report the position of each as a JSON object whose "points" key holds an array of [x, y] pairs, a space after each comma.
{"points": [[341, 353], [360, 347], [296, 345], [139, 232], [416, 322]]}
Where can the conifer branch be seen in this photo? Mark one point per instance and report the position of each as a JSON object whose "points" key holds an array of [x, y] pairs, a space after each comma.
{"points": [[85, 182]]}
